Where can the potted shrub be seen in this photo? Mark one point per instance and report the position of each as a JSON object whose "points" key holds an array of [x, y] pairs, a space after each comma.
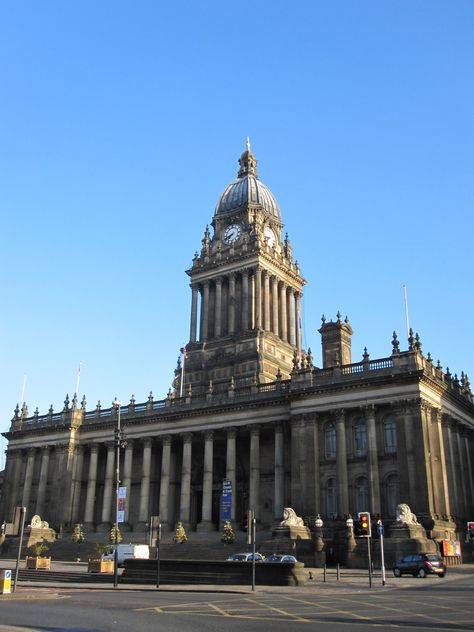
{"points": [[37, 560], [99, 565]]}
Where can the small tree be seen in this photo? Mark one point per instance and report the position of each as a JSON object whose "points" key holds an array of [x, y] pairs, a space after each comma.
{"points": [[228, 535], [38, 548], [180, 533], [101, 548], [115, 535], [78, 537]]}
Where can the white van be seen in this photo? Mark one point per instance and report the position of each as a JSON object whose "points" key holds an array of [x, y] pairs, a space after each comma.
{"points": [[128, 552]]}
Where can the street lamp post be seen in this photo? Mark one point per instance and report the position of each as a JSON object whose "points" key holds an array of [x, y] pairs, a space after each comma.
{"points": [[118, 440], [319, 543]]}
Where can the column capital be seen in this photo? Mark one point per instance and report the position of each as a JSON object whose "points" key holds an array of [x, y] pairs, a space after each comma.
{"points": [[31, 452], [218, 280], [436, 415], [208, 435], [368, 410], [166, 439], [340, 415], [147, 441], [254, 431], [187, 437], [94, 448], [231, 432]]}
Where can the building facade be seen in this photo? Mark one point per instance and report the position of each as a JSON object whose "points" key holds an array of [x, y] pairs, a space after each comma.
{"points": [[249, 406]]}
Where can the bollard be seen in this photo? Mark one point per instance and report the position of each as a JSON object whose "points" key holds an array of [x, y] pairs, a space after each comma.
{"points": [[324, 573], [337, 572], [5, 582]]}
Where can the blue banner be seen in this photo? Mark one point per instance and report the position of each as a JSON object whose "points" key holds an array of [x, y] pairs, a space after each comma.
{"points": [[226, 500]]}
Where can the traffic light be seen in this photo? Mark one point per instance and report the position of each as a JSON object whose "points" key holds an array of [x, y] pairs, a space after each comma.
{"points": [[364, 519], [470, 530]]}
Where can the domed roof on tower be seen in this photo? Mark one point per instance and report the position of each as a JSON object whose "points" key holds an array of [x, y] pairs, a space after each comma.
{"points": [[247, 189]]}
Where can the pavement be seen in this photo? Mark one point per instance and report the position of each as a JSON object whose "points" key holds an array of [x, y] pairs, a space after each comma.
{"points": [[350, 581]]}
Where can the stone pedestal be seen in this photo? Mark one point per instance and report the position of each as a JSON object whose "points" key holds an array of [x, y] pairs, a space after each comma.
{"points": [[292, 540]]}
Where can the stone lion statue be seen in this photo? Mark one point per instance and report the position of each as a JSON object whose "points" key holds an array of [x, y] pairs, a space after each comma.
{"points": [[405, 515], [290, 519], [37, 523]]}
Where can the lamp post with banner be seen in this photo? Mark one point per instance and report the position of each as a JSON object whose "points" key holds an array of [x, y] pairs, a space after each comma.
{"points": [[120, 492]]}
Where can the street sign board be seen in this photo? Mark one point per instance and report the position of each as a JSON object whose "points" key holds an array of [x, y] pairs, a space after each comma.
{"points": [[226, 500]]}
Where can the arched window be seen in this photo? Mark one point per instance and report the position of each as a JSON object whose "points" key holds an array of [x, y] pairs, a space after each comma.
{"points": [[330, 441], [360, 438], [331, 497], [392, 495], [390, 435], [362, 494]]}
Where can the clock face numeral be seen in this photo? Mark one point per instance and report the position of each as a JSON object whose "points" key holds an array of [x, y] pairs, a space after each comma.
{"points": [[231, 234], [269, 236]]}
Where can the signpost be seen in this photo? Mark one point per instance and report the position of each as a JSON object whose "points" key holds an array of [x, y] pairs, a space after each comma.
{"points": [[380, 531]]}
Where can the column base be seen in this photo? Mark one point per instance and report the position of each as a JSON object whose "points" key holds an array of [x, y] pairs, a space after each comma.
{"points": [[140, 527], [205, 525], [88, 527], [103, 527]]}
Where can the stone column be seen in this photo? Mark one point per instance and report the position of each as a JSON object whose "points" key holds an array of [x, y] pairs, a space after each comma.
{"points": [[218, 309], [43, 480], [77, 483], [185, 500], [91, 487], [291, 311], [279, 474], [341, 465], [266, 300], [30, 464], [317, 483], [245, 300], [231, 304], [443, 498], [258, 298], [452, 479], [275, 325], [194, 306], [165, 481], [297, 463], [108, 486], [299, 324], [127, 481], [406, 412], [144, 511], [254, 483], [469, 472], [283, 315], [462, 465], [206, 523], [205, 312], [425, 414], [372, 461], [231, 465], [9, 498]]}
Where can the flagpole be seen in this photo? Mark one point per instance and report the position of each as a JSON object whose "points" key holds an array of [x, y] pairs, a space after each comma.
{"points": [[406, 309], [78, 379]]}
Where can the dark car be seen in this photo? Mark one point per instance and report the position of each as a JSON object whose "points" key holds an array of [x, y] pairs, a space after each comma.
{"points": [[281, 558], [420, 565]]}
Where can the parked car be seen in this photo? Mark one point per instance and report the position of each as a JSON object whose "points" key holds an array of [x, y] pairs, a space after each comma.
{"points": [[281, 558], [420, 565], [245, 557]]}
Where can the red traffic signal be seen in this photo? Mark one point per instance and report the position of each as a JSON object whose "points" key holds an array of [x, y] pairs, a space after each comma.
{"points": [[470, 530], [364, 520]]}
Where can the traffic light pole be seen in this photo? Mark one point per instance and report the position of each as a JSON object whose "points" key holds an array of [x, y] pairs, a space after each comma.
{"points": [[369, 555]]}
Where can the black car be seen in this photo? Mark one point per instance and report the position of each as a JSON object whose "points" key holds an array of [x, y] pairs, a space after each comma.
{"points": [[420, 565]]}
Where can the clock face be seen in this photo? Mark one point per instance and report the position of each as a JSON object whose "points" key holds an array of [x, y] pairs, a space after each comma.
{"points": [[231, 234], [269, 236]]}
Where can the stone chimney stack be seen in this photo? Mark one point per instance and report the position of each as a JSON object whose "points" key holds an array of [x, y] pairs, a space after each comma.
{"points": [[336, 341]]}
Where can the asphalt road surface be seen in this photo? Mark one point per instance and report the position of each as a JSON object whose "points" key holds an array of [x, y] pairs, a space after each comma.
{"points": [[404, 604]]}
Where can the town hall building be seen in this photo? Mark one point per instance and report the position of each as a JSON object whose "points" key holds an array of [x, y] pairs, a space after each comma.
{"points": [[248, 405]]}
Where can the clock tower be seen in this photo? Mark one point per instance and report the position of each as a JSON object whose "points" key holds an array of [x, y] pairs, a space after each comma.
{"points": [[246, 292]]}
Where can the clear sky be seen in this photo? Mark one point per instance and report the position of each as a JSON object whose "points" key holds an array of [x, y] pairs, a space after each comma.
{"points": [[122, 122]]}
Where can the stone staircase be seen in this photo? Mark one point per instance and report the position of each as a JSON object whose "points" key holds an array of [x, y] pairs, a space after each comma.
{"points": [[199, 546]]}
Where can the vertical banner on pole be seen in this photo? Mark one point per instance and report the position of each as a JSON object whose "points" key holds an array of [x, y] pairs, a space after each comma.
{"points": [[226, 500], [122, 499]]}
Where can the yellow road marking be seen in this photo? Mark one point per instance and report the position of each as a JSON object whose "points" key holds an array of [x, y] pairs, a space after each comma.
{"points": [[294, 617]]}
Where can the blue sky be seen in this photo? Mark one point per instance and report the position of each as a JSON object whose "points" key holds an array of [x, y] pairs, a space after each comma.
{"points": [[122, 122]]}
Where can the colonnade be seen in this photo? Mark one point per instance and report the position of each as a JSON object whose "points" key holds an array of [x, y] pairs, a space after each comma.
{"points": [[251, 299], [445, 470]]}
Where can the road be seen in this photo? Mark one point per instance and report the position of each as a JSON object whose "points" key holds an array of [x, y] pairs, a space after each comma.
{"points": [[406, 604]]}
